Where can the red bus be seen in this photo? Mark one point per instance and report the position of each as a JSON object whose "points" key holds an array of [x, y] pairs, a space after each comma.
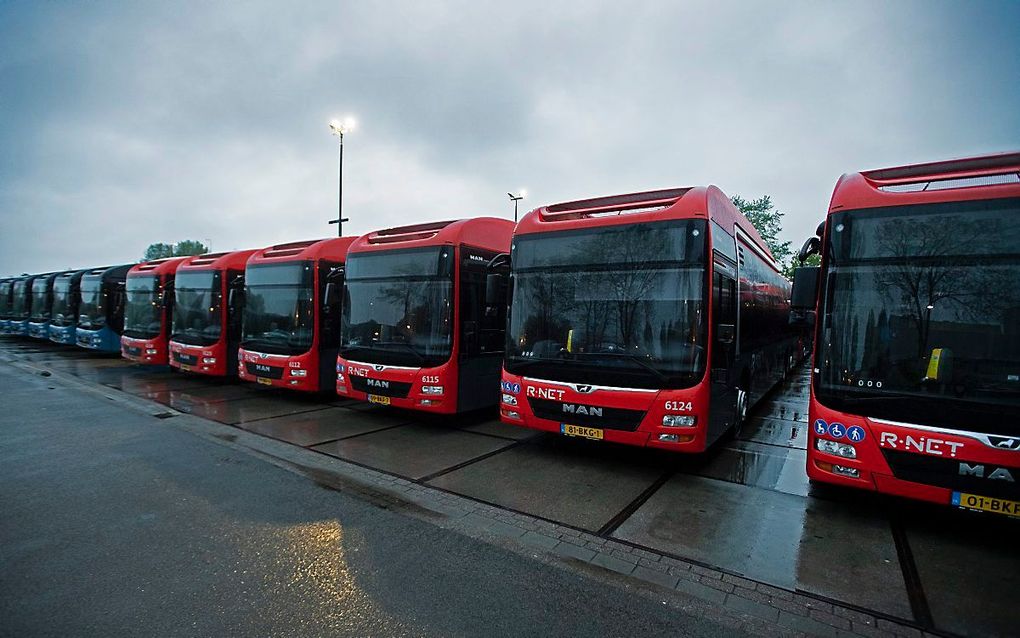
{"points": [[290, 331], [417, 332], [208, 296], [652, 319], [148, 310], [916, 381]]}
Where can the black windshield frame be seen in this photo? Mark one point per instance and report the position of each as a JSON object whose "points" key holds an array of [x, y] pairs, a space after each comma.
{"points": [[919, 315], [621, 306], [415, 283], [198, 307], [280, 309]]}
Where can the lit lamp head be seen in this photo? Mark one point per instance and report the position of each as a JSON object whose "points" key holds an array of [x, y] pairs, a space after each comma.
{"points": [[339, 127]]}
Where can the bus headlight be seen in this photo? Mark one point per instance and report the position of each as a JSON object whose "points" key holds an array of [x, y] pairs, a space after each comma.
{"points": [[679, 420], [299, 373], [432, 389], [208, 359], [845, 450], [509, 399], [151, 351]]}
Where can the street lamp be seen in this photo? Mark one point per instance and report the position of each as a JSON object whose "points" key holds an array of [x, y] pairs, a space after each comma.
{"points": [[339, 128], [516, 198]]}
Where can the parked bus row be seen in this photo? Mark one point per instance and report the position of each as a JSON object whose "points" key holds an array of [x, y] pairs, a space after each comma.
{"points": [[653, 319]]}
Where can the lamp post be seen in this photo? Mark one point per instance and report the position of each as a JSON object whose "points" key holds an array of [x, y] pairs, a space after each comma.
{"points": [[339, 128], [516, 198]]}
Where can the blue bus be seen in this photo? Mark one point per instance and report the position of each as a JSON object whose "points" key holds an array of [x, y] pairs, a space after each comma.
{"points": [[64, 311], [5, 303], [101, 308], [21, 306], [42, 306]]}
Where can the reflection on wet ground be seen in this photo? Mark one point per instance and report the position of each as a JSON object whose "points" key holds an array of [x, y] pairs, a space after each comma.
{"points": [[745, 506]]}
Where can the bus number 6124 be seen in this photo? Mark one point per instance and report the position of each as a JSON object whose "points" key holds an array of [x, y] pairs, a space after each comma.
{"points": [[679, 406]]}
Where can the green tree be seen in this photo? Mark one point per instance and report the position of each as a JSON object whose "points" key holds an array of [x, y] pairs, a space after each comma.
{"points": [[184, 248], [768, 219], [158, 251], [190, 247]]}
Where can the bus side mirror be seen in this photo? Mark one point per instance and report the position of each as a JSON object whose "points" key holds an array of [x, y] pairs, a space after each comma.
{"points": [[805, 287], [330, 297], [725, 333], [495, 292], [810, 247]]}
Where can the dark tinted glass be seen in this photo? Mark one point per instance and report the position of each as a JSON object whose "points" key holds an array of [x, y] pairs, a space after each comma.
{"points": [[279, 310], [921, 314], [143, 312], [198, 308], [617, 306], [398, 307]]}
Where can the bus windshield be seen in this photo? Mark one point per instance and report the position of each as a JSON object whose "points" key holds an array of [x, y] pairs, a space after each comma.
{"points": [[19, 301], [92, 307], [198, 307], [40, 309], [143, 312], [398, 307], [920, 321], [62, 312], [620, 305], [279, 309]]}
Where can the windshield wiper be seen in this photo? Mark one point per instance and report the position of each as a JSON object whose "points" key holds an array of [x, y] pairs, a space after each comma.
{"points": [[406, 346], [629, 357]]}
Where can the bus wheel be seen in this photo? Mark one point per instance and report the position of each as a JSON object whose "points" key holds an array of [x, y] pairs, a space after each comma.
{"points": [[741, 413]]}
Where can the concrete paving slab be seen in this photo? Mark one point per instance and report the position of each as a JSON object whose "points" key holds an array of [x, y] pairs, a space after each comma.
{"points": [[781, 432], [204, 394], [969, 569], [843, 552], [783, 410], [765, 466], [414, 451], [495, 427], [243, 411], [567, 481], [312, 428]]}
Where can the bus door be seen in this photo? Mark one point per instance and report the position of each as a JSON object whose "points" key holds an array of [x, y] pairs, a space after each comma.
{"points": [[482, 333], [724, 342], [331, 284], [234, 312]]}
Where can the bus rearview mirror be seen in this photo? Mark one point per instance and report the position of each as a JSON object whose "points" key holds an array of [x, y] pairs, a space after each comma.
{"points": [[805, 288], [330, 296], [810, 247], [493, 288]]}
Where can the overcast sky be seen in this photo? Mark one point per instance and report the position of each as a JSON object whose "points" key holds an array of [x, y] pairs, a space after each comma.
{"points": [[123, 124]]}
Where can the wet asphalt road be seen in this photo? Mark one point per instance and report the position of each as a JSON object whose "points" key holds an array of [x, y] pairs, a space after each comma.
{"points": [[115, 524], [745, 507]]}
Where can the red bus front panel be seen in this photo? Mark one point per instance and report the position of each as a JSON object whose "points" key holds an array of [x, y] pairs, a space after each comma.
{"points": [[293, 372], [147, 351], [431, 389], [927, 463], [615, 415], [210, 360]]}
